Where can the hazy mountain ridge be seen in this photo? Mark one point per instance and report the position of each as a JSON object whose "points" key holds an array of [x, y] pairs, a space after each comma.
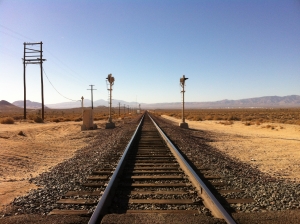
{"points": [[7, 106], [29, 104], [266, 101]]}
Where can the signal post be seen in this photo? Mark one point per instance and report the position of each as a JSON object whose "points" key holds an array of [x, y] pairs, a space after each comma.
{"points": [[182, 83]]}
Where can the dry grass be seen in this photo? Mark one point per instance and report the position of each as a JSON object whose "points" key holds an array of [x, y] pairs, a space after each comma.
{"points": [[248, 116], [226, 122], [61, 115], [7, 120]]}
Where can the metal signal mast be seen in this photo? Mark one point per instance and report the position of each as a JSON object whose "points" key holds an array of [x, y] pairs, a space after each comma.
{"points": [[111, 81], [182, 83], [33, 56]]}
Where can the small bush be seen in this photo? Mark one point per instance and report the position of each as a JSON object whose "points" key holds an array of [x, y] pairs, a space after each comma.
{"points": [[208, 117], [233, 118], [38, 119], [17, 117], [217, 118], [78, 119], [197, 118], [247, 123], [7, 120], [55, 120], [226, 122], [67, 119], [21, 133]]}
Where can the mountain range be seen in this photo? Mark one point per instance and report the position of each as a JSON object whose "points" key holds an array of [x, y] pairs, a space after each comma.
{"points": [[263, 102]]}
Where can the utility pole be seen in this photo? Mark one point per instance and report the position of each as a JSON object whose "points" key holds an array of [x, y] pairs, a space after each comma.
{"points": [[182, 83], [33, 56], [92, 95]]}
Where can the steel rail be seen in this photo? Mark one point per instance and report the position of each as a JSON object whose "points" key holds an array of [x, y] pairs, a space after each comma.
{"points": [[209, 199], [102, 204]]}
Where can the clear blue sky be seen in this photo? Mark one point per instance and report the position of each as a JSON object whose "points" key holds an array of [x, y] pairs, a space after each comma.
{"points": [[227, 49]]}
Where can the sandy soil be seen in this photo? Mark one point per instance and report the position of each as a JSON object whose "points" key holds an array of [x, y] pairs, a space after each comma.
{"points": [[43, 146], [274, 149]]}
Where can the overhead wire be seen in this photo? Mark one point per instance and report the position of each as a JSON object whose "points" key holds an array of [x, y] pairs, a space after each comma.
{"points": [[56, 89], [71, 72]]}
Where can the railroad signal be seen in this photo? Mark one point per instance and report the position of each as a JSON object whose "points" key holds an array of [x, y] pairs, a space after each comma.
{"points": [[110, 80], [182, 83]]}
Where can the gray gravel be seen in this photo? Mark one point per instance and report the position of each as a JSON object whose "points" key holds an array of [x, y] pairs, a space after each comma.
{"points": [[104, 148], [270, 194]]}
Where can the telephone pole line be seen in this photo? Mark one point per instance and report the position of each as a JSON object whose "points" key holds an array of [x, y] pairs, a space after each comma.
{"points": [[92, 94], [33, 56]]}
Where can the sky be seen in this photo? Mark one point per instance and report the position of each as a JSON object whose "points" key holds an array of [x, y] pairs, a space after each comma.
{"points": [[228, 49]]}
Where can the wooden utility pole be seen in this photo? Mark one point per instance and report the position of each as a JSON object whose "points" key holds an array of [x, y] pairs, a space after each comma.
{"points": [[33, 56], [24, 79], [42, 82], [92, 95]]}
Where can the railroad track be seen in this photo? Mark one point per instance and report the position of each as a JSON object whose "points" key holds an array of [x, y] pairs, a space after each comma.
{"points": [[150, 177]]}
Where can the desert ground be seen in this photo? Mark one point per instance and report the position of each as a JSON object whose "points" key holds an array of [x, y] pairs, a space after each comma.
{"points": [[42, 146], [273, 148]]}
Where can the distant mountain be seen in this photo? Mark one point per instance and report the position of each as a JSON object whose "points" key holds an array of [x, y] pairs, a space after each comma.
{"points": [[87, 103], [7, 105], [29, 104], [266, 101]]}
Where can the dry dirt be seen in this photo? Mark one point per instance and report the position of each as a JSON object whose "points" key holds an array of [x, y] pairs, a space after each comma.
{"points": [[273, 149], [43, 146]]}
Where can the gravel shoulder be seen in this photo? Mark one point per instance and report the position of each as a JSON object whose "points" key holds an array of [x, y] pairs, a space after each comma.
{"points": [[42, 146], [272, 148]]}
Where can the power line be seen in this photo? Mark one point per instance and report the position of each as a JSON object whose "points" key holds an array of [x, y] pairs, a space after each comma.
{"points": [[56, 89], [72, 72], [15, 33]]}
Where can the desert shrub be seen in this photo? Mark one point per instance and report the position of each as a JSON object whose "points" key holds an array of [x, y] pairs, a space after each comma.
{"points": [[249, 118], [226, 122], [38, 119], [55, 120], [257, 122], [21, 133], [67, 119], [233, 118], [247, 123], [198, 118], [17, 117], [217, 118], [208, 117], [78, 119], [7, 120]]}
